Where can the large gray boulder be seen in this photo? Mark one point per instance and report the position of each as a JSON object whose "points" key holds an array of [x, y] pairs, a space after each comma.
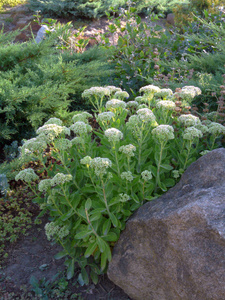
{"points": [[173, 248]]}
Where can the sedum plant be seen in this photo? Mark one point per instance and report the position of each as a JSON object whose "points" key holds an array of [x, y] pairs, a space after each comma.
{"points": [[96, 178]]}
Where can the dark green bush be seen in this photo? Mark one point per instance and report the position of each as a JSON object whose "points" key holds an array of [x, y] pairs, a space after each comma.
{"points": [[37, 81]]}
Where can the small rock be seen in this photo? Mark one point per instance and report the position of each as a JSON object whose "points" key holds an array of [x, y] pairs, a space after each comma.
{"points": [[173, 248], [170, 19]]}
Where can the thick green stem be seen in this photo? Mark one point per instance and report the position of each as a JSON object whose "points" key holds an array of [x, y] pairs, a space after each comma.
{"points": [[89, 222], [104, 195], [159, 165], [32, 189], [117, 162], [189, 149]]}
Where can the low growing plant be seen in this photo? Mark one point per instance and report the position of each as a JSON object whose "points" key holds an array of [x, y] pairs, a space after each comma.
{"points": [[97, 175]]}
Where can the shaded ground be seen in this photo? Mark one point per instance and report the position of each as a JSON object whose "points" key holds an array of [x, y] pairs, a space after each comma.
{"points": [[33, 255]]}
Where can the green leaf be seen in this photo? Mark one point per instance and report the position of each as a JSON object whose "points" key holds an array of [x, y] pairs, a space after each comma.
{"points": [[113, 219], [95, 217], [85, 276], [169, 182], [70, 270], [110, 237], [106, 227], [61, 254], [82, 234], [91, 248], [94, 277], [101, 244], [88, 204], [103, 260], [80, 280], [67, 215], [108, 252], [167, 167]]}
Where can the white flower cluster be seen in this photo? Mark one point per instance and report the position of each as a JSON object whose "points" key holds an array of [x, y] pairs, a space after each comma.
{"points": [[63, 144], [121, 95], [163, 133], [146, 115], [113, 89], [113, 135], [50, 131], [189, 120], [27, 175], [86, 160], [124, 197], [190, 133], [176, 174], [146, 175], [52, 229], [139, 99], [132, 104], [54, 121], [60, 178], [127, 175], [44, 185], [77, 140], [96, 91], [166, 105], [80, 128], [216, 128], [193, 90], [83, 117], [36, 144], [204, 129], [128, 150], [115, 104], [100, 165], [142, 106], [105, 116], [164, 93], [149, 89]]}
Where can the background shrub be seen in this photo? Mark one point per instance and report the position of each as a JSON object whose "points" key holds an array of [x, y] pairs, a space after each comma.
{"points": [[38, 81]]}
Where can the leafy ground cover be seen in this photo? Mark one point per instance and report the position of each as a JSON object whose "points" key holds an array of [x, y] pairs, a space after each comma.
{"points": [[137, 64]]}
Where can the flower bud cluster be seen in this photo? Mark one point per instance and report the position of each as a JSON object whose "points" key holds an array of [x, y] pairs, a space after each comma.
{"points": [[80, 128], [164, 93], [27, 175], [52, 229], [113, 135], [83, 117], [121, 95], [204, 152], [124, 197], [127, 175], [132, 104], [63, 144], [50, 131], [105, 116], [44, 185], [86, 160], [166, 105], [176, 174], [54, 121], [36, 144], [146, 115], [149, 89], [61, 178], [146, 175], [216, 128], [190, 133], [128, 150], [100, 165], [189, 120], [96, 91], [163, 133], [113, 89], [115, 104]]}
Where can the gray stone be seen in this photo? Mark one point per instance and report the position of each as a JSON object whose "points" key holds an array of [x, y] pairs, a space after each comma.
{"points": [[173, 248], [170, 19]]}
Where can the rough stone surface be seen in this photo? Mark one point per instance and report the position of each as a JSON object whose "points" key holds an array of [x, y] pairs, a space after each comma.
{"points": [[41, 33], [173, 248], [170, 19]]}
